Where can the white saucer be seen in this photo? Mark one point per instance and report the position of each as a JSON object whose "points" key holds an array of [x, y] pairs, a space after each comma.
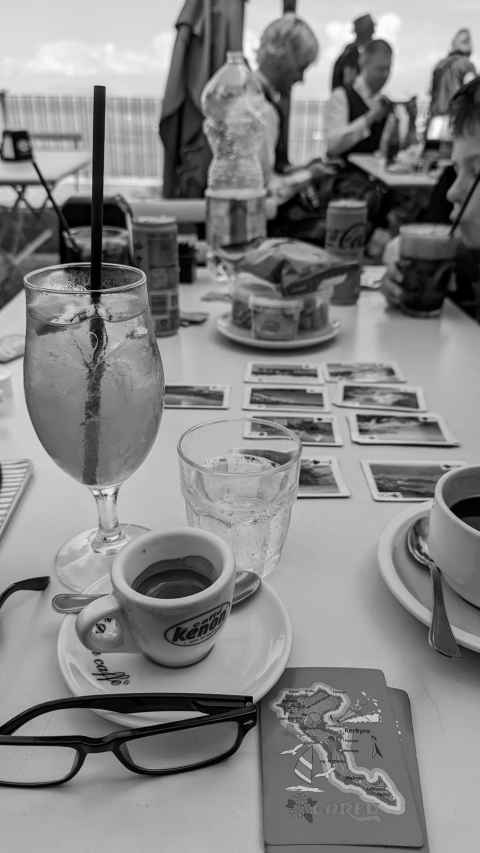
{"points": [[411, 584], [248, 658], [304, 339]]}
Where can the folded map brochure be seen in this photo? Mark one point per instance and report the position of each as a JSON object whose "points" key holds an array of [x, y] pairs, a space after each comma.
{"points": [[339, 769]]}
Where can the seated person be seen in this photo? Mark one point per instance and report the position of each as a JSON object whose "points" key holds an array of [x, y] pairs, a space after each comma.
{"points": [[356, 116], [360, 119], [288, 46], [465, 123]]}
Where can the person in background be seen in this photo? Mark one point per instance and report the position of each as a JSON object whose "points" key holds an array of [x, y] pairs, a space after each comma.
{"points": [[288, 46], [347, 66], [355, 117], [464, 114], [451, 73]]}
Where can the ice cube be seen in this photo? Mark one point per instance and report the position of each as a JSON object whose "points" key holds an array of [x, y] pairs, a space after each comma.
{"points": [[72, 315]]}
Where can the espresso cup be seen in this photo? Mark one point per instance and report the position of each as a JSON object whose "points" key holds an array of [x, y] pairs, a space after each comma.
{"points": [[172, 594], [453, 540]]}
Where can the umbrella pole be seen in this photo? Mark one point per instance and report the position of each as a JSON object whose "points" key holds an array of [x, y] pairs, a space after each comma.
{"points": [[288, 6]]}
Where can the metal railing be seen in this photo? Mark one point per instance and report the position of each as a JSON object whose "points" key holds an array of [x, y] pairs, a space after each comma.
{"points": [[132, 145]]}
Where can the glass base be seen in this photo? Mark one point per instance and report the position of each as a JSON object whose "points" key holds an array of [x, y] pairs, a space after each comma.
{"points": [[78, 566]]}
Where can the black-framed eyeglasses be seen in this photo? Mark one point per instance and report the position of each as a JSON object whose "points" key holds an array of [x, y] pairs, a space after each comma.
{"points": [[152, 750]]}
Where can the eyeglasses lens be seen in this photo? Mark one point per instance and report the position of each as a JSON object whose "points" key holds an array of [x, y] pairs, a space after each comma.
{"points": [[182, 748], [28, 765]]}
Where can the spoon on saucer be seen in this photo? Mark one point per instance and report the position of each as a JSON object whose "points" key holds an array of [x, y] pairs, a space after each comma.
{"points": [[246, 584], [440, 636]]}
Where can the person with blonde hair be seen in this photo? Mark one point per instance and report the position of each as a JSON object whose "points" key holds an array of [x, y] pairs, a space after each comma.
{"points": [[288, 46]]}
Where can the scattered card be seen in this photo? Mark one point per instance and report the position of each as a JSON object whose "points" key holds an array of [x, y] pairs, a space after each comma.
{"points": [[320, 477], [286, 397], [333, 768], [400, 429], [362, 371], [312, 430], [283, 372], [405, 481], [398, 398], [197, 396]]}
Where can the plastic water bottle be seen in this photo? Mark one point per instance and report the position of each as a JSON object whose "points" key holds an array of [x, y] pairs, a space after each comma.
{"points": [[232, 101], [390, 142]]}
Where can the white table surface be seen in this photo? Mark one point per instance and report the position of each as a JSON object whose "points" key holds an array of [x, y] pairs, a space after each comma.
{"points": [[374, 166], [342, 613], [54, 165]]}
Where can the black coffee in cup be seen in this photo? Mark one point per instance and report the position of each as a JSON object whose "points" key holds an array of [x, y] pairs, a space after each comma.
{"points": [[468, 510], [175, 578]]}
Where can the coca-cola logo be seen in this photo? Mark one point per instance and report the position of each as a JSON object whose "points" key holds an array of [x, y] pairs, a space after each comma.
{"points": [[201, 627], [348, 239]]}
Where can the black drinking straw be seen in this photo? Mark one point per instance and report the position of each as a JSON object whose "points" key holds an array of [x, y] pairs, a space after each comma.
{"points": [[97, 189], [464, 205], [98, 335]]}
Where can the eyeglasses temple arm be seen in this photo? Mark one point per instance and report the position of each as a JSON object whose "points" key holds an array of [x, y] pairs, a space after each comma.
{"points": [[133, 703]]}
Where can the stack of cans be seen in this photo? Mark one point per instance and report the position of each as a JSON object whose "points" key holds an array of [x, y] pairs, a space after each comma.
{"points": [[155, 252]]}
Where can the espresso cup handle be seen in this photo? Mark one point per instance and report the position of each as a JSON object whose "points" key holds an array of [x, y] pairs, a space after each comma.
{"points": [[106, 607]]}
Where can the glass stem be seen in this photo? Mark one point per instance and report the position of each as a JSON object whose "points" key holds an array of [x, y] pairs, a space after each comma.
{"points": [[109, 531]]}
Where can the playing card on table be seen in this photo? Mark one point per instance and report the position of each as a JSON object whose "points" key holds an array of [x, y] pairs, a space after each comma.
{"points": [[362, 371], [299, 397], [283, 372], [404, 480], [197, 396], [361, 395], [395, 429], [333, 769], [320, 477], [313, 430]]}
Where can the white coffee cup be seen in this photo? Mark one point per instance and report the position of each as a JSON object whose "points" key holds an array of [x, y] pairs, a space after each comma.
{"points": [[454, 544], [170, 631]]}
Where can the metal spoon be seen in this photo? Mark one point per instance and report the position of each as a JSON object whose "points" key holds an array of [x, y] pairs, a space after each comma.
{"points": [[246, 584], [440, 636]]}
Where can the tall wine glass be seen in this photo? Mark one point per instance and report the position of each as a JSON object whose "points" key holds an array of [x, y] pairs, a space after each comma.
{"points": [[94, 390]]}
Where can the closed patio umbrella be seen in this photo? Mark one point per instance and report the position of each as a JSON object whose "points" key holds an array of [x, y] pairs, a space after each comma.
{"points": [[206, 30]]}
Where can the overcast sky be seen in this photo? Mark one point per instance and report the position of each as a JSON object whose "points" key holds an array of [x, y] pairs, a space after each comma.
{"points": [[51, 46]]}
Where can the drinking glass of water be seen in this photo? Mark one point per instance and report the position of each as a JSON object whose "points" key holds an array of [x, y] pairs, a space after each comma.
{"points": [[94, 391], [239, 479]]}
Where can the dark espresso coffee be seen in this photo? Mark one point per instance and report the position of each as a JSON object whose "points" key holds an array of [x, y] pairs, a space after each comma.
{"points": [[468, 510], [175, 578]]}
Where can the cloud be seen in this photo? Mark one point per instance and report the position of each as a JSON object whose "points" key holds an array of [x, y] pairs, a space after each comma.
{"points": [[69, 58], [388, 27]]}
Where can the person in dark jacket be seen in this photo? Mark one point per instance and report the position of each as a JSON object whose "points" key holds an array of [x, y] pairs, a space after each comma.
{"points": [[451, 73], [349, 59], [355, 116], [355, 120]]}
